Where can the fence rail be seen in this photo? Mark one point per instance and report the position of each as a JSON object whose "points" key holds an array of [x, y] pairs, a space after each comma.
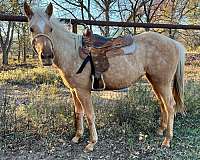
{"points": [[75, 22]]}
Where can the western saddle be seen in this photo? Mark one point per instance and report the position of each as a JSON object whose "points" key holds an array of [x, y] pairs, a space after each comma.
{"points": [[97, 49]]}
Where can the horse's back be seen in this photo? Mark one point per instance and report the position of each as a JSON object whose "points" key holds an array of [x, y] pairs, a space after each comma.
{"points": [[161, 55]]}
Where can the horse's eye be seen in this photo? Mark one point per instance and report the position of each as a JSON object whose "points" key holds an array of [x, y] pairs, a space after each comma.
{"points": [[31, 29], [51, 29]]}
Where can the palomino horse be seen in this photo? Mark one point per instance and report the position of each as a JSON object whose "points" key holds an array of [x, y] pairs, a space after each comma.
{"points": [[158, 57]]}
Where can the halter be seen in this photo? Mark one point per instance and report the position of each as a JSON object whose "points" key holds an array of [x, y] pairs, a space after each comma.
{"points": [[40, 35]]}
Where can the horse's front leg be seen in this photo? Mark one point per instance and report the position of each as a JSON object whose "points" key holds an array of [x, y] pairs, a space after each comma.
{"points": [[78, 115], [84, 97]]}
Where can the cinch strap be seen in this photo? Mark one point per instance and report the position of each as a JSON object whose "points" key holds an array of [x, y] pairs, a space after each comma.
{"points": [[86, 60]]}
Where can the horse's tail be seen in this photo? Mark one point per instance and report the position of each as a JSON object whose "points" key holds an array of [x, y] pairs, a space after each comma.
{"points": [[178, 85]]}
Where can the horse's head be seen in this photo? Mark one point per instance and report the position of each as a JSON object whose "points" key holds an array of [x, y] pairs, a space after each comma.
{"points": [[40, 27]]}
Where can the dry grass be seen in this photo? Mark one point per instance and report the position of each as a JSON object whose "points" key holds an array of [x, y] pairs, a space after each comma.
{"points": [[36, 120]]}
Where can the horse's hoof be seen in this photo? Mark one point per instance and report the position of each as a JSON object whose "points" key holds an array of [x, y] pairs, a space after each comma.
{"points": [[166, 143], [89, 148], [160, 132], [75, 139]]}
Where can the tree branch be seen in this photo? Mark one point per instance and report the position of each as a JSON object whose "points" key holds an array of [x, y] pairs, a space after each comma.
{"points": [[65, 9]]}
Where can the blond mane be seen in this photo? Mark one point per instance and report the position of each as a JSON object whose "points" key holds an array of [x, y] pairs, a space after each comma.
{"points": [[60, 30]]}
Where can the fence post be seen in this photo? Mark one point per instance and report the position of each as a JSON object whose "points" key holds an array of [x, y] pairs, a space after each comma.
{"points": [[170, 34], [74, 29]]}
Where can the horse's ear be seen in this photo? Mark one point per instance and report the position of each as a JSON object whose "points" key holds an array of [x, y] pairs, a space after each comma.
{"points": [[28, 11], [49, 10]]}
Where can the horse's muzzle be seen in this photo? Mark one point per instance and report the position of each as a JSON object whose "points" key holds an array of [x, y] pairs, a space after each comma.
{"points": [[47, 62], [47, 57]]}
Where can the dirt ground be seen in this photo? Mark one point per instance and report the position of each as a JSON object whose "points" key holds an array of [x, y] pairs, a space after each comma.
{"points": [[124, 134], [63, 148]]}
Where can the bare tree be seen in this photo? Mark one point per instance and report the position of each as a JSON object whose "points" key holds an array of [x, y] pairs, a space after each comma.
{"points": [[151, 7], [7, 28], [131, 11], [6, 41], [100, 10]]}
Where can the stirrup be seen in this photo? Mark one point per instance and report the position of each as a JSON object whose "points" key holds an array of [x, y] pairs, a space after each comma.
{"points": [[98, 83]]}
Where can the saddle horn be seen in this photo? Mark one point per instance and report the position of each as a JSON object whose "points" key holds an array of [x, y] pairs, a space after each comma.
{"points": [[85, 25], [87, 31]]}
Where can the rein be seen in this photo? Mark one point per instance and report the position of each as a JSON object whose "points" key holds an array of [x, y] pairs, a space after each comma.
{"points": [[41, 35]]}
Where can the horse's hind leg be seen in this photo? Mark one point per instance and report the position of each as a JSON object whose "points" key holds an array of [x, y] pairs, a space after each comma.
{"points": [[163, 113], [163, 119], [78, 115], [169, 102]]}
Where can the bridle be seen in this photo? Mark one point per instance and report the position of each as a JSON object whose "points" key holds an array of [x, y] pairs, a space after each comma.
{"points": [[41, 35]]}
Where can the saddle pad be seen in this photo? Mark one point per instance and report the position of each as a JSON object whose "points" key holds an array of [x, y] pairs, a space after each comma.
{"points": [[99, 40]]}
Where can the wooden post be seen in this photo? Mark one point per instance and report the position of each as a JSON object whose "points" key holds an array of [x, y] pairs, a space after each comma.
{"points": [[74, 28], [170, 34]]}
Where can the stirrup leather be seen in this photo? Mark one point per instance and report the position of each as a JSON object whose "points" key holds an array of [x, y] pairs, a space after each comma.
{"points": [[98, 83]]}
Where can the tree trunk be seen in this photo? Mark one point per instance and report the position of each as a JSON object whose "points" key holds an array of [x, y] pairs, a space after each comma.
{"points": [[7, 44], [82, 9], [5, 57], [89, 15], [24, 57], [107, 9], [19, 43], [24, 43]]}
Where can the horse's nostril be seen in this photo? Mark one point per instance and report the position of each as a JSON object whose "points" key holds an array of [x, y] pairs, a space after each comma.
{"points": [[50, 56], [42, 56], [31, 29]]}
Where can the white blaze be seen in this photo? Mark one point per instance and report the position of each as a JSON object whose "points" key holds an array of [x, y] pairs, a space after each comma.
{"points": [[41, 25]]}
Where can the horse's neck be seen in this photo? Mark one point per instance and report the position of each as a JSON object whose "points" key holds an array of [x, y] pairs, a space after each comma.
{"points": [[67, 53]]}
